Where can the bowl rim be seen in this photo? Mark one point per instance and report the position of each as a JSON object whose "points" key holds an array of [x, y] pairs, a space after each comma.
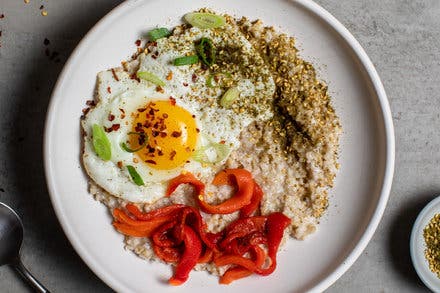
{"points": [[382, 99]]}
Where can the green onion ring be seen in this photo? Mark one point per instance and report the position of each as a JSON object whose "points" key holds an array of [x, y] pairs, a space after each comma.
{"points": [[186, 60], [137, 179], [159, 33], [129, 150]]}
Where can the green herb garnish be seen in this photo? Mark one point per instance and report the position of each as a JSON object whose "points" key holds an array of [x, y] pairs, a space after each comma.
{"points": [[100, 142], [128, 149], [186, 60], [137, 179], [204, 20], [150, 77], [229, 97], [212, 153], [206, 51], [159, 33]]}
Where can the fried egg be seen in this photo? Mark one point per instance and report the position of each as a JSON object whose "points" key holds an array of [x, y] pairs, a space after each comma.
{"points": [[160, 130]]}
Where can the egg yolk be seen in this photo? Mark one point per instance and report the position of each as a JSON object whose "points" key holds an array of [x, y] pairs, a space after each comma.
{"points": [[170, 133]]}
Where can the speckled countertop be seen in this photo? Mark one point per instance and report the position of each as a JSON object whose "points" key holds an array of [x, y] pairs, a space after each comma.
{"points": [[402, 37]]}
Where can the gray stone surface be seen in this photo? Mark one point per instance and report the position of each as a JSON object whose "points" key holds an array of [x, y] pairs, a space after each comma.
{"points": [[402, 37]]}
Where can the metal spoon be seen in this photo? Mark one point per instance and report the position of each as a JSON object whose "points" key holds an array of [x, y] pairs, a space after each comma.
{"points": [[11, 237]]}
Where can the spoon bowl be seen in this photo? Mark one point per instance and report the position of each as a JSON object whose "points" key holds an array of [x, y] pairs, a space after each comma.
{"points": [[11, 238], [11, 235]]}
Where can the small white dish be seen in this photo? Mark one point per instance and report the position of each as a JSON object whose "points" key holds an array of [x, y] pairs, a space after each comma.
{"points": [[417, 245]]}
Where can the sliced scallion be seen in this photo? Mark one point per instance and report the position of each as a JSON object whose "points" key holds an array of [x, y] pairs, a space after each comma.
{"points": [[130, 150], [229, 97], [186, 60], [145, 75], [100, 142], [204, 20], [206, 51], [212, 153], [137, 179], [158, 33]]}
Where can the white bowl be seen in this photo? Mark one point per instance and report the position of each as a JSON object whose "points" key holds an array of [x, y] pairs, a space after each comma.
{"points": [[417, 245], [362, 186]]}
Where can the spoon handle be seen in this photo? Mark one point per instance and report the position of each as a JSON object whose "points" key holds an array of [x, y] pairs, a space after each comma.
{"points": [[18, 265]]}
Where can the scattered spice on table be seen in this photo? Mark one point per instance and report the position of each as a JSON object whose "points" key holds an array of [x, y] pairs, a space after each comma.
{"points": [[2, 16], [431, 233]]}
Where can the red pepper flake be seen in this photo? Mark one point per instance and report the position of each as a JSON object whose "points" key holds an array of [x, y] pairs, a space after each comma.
{"points": [[41, 7], [2, 16], [185, 84], [85, 110], [122, 110], [194, 77], [172, 101], [139, 128], [150, 149], [114, 127], [46, 42], [90, 103], [151, 162], [109, 90], [163, 134], [154, 56], [193, 116], [141, 110], [111, 117], [176, 134], [114, 75], [188, 149], [172, 155], [160, 153], [159, 89], [222, 142], [120, 164], [138, 43], [197, 130], [133, 76]]}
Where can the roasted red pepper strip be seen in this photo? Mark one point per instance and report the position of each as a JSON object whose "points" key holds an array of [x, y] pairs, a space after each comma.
{"points": [[236, 273], [242, 228], [186, 178], [275, 226], [167, 254], [245, 185], [134, 210], [128, 226], [233, 259], [206, 257], [248, 210], [191, 253]]}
